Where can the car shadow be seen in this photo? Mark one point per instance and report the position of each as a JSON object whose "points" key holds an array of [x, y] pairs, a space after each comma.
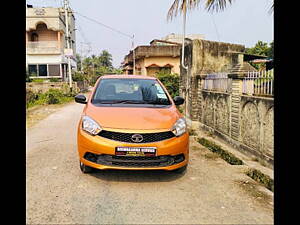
{"points": [[137, 175]]}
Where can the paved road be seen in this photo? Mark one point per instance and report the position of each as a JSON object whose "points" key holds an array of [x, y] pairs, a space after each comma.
{"points": [[210, 192]]}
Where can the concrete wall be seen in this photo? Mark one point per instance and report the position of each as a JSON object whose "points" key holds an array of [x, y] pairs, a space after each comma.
{"points": [[45, 86], [245, 122], [202, 57]]}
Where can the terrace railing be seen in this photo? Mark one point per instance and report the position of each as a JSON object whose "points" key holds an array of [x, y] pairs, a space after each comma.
{"points": [[217, 82], [259, 83]]}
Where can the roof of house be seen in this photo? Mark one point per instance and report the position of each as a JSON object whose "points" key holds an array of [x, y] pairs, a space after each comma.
{"points": [[163, 41]]}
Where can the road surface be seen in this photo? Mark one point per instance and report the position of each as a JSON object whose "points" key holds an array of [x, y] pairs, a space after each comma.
{"points": [[210, 192]]}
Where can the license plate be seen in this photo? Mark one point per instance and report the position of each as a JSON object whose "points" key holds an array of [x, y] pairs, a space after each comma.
{"points": [[135, 151]]}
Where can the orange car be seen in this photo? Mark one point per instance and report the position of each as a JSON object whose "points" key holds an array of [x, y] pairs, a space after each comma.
{"points": [[131, 122]]}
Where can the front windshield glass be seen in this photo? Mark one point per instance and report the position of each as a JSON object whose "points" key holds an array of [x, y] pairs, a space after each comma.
{"points": [[130, 91]]}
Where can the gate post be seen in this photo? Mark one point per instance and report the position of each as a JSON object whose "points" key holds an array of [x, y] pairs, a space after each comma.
{"points": [[235, 102]]}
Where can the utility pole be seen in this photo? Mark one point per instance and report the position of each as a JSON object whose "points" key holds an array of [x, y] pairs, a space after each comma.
{"points": [[133, 52], [182, 61], [66, 7], [81, 56]]}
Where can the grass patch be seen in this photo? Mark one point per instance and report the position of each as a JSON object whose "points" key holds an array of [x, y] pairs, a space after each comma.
{"points": [[261, 178], [227, 156]]}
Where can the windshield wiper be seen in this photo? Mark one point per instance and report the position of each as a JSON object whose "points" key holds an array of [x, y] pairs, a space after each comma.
{"points": [[158, 102], [132, 102], [120, 101]]}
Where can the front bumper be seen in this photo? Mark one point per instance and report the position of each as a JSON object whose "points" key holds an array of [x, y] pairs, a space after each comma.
{"points": [[168, 150]]}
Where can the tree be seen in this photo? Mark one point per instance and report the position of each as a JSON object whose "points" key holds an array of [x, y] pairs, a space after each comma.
{"points": [[262, 48], [210, 5], [170, 81], [95, 66], [105, 59]]}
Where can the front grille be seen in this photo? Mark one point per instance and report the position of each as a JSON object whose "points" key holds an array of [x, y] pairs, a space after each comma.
{"points": [[134, 161], [126, 137]]}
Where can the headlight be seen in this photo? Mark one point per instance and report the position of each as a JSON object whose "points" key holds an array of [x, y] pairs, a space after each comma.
{"points": [[179, 127], [90, 126]]}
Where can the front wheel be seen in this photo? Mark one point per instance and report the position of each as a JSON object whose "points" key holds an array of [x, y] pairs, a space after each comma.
{"points": [[85, 169]]}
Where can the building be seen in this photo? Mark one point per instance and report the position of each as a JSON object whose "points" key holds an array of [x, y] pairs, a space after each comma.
{"points": [[161, 54], [178, 37], [46, 42]]}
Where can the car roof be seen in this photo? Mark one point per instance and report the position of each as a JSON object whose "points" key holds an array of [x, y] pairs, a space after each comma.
{"points": [[123, 76]]}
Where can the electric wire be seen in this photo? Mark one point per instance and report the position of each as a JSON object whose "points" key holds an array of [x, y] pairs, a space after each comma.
{"points": [[216, 29], [102, 24]]}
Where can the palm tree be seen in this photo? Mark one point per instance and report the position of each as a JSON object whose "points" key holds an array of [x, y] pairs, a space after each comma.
{"points": [[183, 5], [210, 5], [105, 59]]}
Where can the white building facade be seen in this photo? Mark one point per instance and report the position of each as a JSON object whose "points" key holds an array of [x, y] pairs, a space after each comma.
{"points": [[46, 42]]}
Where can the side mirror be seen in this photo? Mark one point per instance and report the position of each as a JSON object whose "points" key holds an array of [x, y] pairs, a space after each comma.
{"points": [[178, 100], [80, 99]]}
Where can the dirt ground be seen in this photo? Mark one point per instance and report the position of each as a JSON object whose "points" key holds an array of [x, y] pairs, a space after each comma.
{"points": [[210, 192], [40, 112]]}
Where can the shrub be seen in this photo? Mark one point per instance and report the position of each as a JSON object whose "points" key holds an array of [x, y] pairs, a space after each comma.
{"points": [[52, 96], [170, 81], [30, 96], [77, 76]]}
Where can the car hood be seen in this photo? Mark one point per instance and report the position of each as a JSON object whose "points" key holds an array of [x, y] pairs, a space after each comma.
{"points": [[136, 118]]}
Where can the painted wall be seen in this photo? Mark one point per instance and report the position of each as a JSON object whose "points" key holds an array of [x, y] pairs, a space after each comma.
{"points": [[144, 63]]}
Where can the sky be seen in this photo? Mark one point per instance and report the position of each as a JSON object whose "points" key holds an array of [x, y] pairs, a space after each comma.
{"points": [[243, 22]]}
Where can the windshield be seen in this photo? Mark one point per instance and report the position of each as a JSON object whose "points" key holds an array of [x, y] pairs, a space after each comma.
{"points": [[130, 91]]}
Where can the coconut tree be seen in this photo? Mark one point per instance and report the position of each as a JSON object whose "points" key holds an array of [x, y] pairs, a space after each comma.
{"points": [[210, 5], [184, 5]]}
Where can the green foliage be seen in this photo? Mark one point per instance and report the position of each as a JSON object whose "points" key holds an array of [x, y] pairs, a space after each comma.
{"points": [[38, 80], [52, 96], [78, 76], [262, 178], [170, 81], [54, 79], [227, 156], [261, 48], [95, 66]]}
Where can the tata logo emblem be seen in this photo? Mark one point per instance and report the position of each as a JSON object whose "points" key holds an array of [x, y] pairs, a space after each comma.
{"points": [[137, 138], [40, 12]]}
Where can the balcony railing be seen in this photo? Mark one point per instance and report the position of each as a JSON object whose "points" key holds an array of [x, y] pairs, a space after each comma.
{"points": [[43, 47]]}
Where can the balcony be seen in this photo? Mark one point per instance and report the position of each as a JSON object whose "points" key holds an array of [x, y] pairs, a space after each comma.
{"points": [[43, 47]]}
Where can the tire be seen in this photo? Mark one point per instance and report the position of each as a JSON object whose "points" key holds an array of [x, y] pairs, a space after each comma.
{"points": [[85, 169], [181, 169]]}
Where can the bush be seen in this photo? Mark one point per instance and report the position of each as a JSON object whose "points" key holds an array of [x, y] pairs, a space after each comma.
{"points": [[53, 96], [30, 96], [170, 81], [77, 76]]}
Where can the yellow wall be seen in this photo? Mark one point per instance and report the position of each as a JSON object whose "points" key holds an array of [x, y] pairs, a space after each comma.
{"points": [[160, 61]]}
